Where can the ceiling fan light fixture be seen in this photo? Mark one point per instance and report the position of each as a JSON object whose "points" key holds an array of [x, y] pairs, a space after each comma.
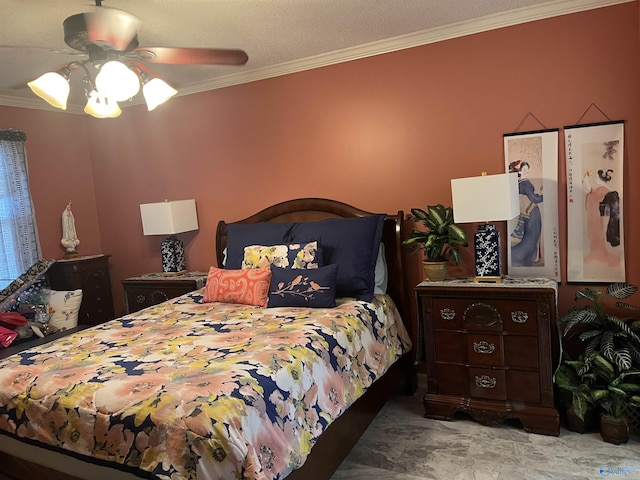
{"points": [[101, 107], [53, 87], [156, 91], [116, 81]]}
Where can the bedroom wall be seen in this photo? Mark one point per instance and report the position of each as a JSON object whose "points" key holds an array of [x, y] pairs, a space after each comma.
{"points": [[383, 133], [60, 171]]}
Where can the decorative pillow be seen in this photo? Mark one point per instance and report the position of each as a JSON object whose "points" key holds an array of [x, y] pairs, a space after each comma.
{"points": [[241, 235], [294, 255], [249, 287], [315, 288], [64, 306], [351, 243], [10, 294]]}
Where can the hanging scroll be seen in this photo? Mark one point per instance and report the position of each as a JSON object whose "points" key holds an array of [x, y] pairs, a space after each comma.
{"points": [[533, 240], [595, 236]]}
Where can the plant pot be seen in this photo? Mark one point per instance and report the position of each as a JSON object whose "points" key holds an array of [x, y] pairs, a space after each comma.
{"points": [[614, 429], [435, 271], [576, 424]]}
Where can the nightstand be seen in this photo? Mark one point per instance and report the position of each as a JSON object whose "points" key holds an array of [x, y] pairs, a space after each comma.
{"points": [[153, 288], [491, 350], [90, 273]]}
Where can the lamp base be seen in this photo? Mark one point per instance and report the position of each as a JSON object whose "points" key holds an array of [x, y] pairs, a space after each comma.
{"points": [[172, 251], [486, 242], [173, 274], [487, 279]]}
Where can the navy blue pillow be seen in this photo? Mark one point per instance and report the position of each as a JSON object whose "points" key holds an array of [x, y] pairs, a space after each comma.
{"points": [[314, 288], [351, 243]]}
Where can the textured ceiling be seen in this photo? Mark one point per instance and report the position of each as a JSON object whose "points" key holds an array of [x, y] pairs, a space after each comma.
{"points": [[279, 36]]}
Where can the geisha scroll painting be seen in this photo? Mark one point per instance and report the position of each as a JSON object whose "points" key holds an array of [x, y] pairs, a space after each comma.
{"points": [[595, 236], [533, 240]]}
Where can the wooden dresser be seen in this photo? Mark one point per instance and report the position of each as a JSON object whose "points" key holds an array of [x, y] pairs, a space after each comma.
{"points": [[491, 350], [153, 288], [91, 274]]}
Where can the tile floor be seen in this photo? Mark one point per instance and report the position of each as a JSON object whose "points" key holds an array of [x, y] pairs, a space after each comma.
{"points": [[401, 444]]}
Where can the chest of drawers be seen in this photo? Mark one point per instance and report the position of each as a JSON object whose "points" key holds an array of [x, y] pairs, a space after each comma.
{"points": [[491, 351], [91, 275], [151, 289]]}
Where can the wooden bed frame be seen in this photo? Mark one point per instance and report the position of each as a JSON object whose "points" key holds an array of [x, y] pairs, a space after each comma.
{"points": [[338, 440]]}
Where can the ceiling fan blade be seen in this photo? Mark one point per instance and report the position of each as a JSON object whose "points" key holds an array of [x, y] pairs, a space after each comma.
{"points": [[112, 28], [193, 56]]}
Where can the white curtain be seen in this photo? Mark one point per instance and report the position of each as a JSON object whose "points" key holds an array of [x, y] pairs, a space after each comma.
{"points": [[19, 245]]}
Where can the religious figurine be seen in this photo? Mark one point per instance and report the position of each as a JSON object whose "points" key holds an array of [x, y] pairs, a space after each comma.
{"points": [[69, 236]]}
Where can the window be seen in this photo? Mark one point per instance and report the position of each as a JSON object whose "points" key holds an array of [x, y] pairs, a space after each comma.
{"points": [[19, 245]]}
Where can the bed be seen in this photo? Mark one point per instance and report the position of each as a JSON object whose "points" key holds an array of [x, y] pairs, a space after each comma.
{"points": [[183, 390]]}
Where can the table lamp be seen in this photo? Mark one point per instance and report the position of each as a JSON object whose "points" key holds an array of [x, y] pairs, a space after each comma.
{"points": [[486, 198], [170, 218]]}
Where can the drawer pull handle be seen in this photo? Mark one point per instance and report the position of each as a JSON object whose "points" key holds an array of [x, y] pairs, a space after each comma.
{"points": [[485, 381], [140, 298], [483, 347], [519, 316], [447, 314]]}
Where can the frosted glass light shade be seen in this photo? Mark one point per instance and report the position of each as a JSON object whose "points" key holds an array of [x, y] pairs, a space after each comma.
{"points": [[117, 81], [485, 198], [52, 87], [100, 107], [168, 218], [156, 92]]}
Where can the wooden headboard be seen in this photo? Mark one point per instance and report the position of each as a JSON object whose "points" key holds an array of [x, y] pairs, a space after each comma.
{"points": [[315, 209]]}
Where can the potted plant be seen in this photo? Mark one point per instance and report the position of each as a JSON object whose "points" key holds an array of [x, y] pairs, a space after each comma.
{"points": [[622, 390], [609, 364], [616, 339], [439, 242], [576, 382]]}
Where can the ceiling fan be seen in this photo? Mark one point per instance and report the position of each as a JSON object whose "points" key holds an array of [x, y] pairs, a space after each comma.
{"points": [[109, 39]]}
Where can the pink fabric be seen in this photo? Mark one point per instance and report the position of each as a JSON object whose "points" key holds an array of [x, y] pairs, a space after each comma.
{"points": [[249, 287], [7, 336]]}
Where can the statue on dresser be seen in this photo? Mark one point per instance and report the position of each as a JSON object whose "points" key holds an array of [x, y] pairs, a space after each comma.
{"points": [[69, 236]]}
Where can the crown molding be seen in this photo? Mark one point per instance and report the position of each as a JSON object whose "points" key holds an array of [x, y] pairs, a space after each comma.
{"points": [[533, 13], [37, 104], [424, 37]]}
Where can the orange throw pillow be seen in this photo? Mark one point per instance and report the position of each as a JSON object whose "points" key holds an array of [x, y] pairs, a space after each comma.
{"points": [[249, 287]]}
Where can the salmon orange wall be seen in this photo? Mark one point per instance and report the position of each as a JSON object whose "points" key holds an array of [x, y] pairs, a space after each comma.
{"points": [[59, 162], [383, 133]]}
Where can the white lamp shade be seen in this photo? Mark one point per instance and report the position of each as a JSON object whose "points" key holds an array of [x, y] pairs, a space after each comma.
{"points": [[100, 107], [117, 81], [485, 198], [156, 92], [52, 87], [168, 218]]}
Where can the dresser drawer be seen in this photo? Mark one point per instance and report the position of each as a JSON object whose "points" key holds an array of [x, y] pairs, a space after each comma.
{"points": [[448, 312], [450, 347], [523, 386], [518, 316], [521, 351], [452, 379], [485, 350], [139, 297], [487, 383]]}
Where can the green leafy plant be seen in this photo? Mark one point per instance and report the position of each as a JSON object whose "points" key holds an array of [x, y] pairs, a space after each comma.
{"points": [[606, 374], [441, 239], [572, 377], [614, 338]]}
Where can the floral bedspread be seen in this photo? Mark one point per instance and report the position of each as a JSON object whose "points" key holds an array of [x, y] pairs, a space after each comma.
{"points": [[221, 391]]}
